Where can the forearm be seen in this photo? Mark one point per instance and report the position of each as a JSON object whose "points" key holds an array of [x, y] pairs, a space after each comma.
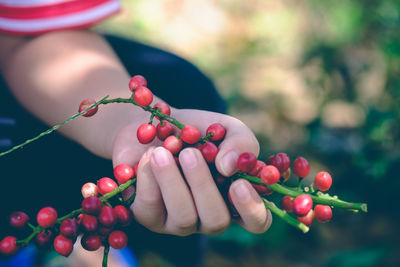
{"points": [[51, 74]]}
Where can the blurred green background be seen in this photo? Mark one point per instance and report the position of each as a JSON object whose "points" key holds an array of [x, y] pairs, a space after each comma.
{"points": [[314, 78]]}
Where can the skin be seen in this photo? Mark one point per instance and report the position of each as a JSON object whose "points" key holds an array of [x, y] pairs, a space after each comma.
{"points": [[61, 69]]}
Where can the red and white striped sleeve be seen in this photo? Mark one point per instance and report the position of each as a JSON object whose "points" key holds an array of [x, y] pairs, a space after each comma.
{"points": [[27, 17]]}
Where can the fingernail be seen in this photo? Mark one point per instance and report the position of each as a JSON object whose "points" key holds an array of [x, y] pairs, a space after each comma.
{"points": [[161, 157], [229, 162], [188, 158], [241, 189]]}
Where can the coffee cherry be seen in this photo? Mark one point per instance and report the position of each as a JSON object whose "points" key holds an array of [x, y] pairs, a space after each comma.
{"points": [[246, 161], [285, 161], [286, 175], [173, 144], [163, 108], [63, 245], [163, 131], [91, 205], [89, 189], [323, 213], [107, 216], [323, 181], [257, 169], [143, 96], [301, 167], [217, 130], [18, 219], [137, 81], [123, 172], [124, 216], [118, 239], [91, 242], [270, 175], [69, 228], [209, 151], [47, 217], [302, 204], [307, 219], [104, 231], [275, 161], [146, 133], [106, 185], [8, 246], [190, 134], [287, 203], [85, 104], [44, 239], [89, 223], [262, 190]]}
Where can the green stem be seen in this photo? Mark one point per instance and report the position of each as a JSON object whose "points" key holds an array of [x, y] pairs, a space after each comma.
{"points": [[26, 241], [105, 254]]}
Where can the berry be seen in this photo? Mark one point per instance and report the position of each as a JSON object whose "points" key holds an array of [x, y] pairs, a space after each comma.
{"points": [[8, 246], [146, 133], [123, 215], [91, 242], [301, 167], [163, 108], [275, 161], [323, 181], [286, 175], [164, 131], [137, 81], [270, 175], [323, 213], [106, 185], [287, 203], [285, 161], [91, 205], [89, 223], [143, 96], [47, 217], [69, 228], [118, 239], [104, 231], [217, 130], [18, 219], [190, 134], [44, 239], [89, 189], [85, 104], [209, 151], [107, 216], [307, 219], [302, 204], [173, 144], [123, 172], [246, 161], [257, 169], [63, 245], [262, 190]]}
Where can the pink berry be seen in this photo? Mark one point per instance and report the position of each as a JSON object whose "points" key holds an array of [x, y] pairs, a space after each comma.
{"points": [[307, 219], [107, 216], [246, 161], [163, 108], [270, 175], [123, 172], [47, 217], [146, 133], [91, 205], [118, 239], [209, 151], [18, 219], [137, 81], [89, 189], [275, 161], [91, 242], [8, 246], [106, 185], [124, 215], [190, 134], [164, 131], [89, 223], [287, 203], [63, 245], [44, 239], [257, 169], [143, 96], [173, 144], [323, 181], [323, 213], [262, 190], [301, 167], [302, 204], [285, 161], [217, 130], [85, 104]]}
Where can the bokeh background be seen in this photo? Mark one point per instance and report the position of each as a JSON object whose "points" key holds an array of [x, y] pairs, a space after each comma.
{"points": [[320, 79]]}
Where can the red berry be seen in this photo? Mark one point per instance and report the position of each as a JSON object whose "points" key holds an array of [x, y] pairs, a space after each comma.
{"points": [[91, 205], [47, 217], [307, 219], [19, 219], [285, 161], [246, 161], [91, 242], [118, 239], [137, 81], [44, 239], [217, 130], [104, 231], [164, 131], [107, 216], [89, 223], [190, 134], [287, 203], [275, 161], [85, 104], [209, 151], [302, 204], [124, 216], [270, 175], [257, 169], [63, 245], [146, 133], [323, 213], [262, 190], [69, 228], [163, 108], [301, 167], [143, 96], [123, 172], [8, 246], [323, 181], [173, 144], [106, 185], [89, 189]]}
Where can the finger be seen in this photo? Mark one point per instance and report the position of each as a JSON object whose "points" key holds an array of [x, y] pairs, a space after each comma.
{"points": [[148, 207], [211, 208], [255, 217], [181, 212]]}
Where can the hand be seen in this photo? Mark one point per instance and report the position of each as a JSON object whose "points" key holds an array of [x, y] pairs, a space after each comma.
{"points": [[165, 203]]}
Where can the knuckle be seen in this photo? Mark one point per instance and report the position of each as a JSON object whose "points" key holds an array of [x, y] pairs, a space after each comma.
{"points": [[186, 226], [218, 227]]}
